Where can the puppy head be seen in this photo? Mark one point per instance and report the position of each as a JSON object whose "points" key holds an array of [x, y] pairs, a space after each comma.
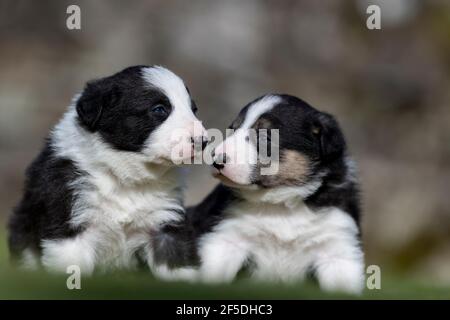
{"points": [[144, 110], [299, 141]]}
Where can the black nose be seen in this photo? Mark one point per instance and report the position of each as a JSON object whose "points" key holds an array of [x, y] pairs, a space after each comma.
{"points": [[220, 161], [218, 166]]}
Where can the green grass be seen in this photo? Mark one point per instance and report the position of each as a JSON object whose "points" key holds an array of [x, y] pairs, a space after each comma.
{"points": [[23, 285], [16, 284]]}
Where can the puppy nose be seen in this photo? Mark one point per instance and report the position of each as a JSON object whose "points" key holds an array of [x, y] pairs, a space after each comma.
{"points": [[218, 166], [219, 161]]}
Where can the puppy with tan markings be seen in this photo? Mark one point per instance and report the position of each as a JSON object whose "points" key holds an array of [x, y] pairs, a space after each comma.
{"points": [[301, 219]]}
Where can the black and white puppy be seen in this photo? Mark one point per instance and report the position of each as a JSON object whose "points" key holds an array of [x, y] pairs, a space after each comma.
{"points": [[301, 219], [105, 181]]}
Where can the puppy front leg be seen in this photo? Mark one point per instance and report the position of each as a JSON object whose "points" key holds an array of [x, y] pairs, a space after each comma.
{"points": [[340, 274], [58, 255], [161, 269], [220, 261]]}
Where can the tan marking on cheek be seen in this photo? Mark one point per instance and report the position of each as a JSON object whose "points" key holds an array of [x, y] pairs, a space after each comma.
{"points": [[293, 169], [293, 166]]}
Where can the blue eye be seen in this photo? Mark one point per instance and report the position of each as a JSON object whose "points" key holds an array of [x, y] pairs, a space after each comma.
{"points": [[159, 109]]}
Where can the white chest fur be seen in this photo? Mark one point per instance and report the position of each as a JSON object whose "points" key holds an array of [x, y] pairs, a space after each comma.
{"points": [[117, 220], [105, 200], [281, 243]]}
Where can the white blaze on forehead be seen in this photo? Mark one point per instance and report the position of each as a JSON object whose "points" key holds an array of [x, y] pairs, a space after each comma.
{"points": [[170, 84], [258, 108]]}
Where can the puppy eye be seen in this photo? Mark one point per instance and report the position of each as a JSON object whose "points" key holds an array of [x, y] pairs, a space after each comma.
{"points": [[316, 131], [194, 109], [159, 109]]}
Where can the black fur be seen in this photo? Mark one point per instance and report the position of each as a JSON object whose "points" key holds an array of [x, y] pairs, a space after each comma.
{"points": [[337, 191], [44, 211], [119, 109]]}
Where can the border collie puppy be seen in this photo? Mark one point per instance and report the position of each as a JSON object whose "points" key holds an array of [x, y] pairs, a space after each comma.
{"points": [[105, 181], [298, 220]]}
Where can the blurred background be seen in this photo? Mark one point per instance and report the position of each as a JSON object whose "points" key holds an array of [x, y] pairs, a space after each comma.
{"points": [[389, 89]]}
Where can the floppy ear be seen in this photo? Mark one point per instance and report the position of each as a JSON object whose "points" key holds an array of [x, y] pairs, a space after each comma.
{"points": [[95, 99], [331, 139], [90, 106]]}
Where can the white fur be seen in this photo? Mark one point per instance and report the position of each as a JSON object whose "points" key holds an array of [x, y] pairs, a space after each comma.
{"points": [[123, 197], [289, 196], [259, 108], [283, 243]]}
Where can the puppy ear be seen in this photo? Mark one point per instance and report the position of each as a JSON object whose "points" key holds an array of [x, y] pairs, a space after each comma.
{"points": [[331, 139], [90, 105], [96, 98]]}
